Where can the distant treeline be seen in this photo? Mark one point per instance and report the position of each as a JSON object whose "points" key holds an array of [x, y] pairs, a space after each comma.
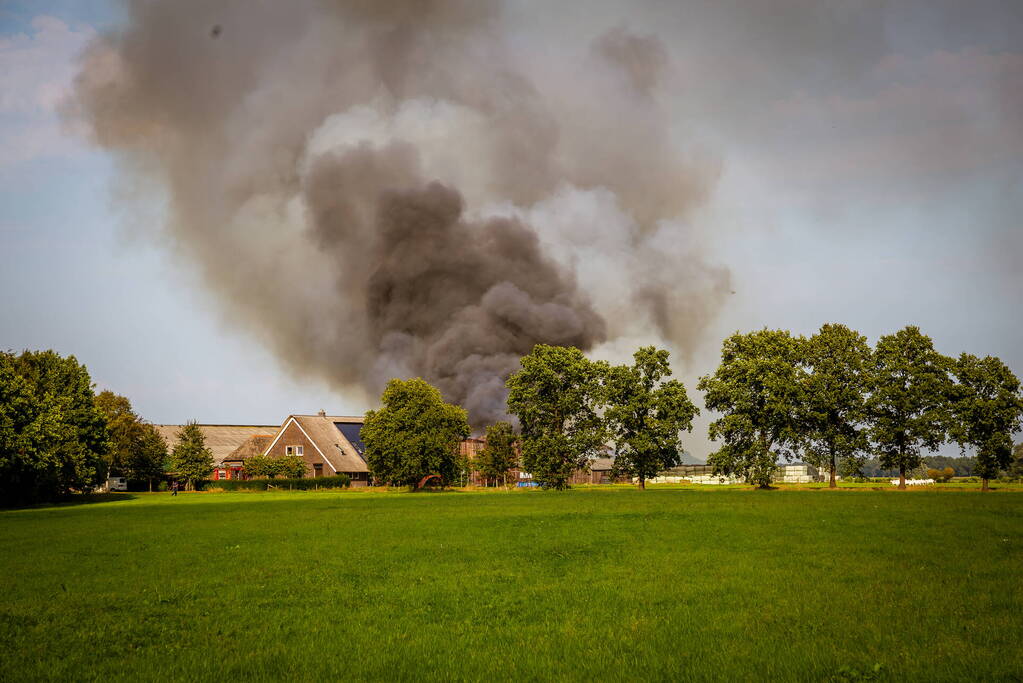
{"points": [[962, 466]]}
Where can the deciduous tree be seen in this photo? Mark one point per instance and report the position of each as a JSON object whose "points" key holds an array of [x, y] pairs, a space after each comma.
{"points": [[191, 460], [258, 466], [499, 456], [151, 460], [1016, 467], [413, 435], [832, 411], [137, 451], [52, 437], [646, 415], [122, 427], [987, 408], [757, 388], [908, 406], [557, 396], [291, 467]]}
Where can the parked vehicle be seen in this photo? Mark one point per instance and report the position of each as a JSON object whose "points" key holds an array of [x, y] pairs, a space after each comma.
{"points": [[117, 484]]}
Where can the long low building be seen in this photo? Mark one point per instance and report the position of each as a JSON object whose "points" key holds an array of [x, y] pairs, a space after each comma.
{"points": [[786, 473], [222, 440]]}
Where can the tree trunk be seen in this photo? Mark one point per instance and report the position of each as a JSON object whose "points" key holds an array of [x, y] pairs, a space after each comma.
{"points": [[832, 483], [983, 484], [642, 482], [902, 477]]}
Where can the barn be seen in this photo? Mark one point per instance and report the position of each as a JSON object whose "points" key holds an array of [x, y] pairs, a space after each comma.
{"points": [[223, 440]]}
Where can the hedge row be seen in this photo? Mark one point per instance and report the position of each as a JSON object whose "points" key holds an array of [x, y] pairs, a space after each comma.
{"points": [[306, 484]]}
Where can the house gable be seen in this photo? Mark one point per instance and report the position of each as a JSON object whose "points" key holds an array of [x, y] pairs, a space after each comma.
{"points": [[322, 441], [292, 434]]}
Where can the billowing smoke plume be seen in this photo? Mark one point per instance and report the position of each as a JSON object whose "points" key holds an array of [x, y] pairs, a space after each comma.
{"points": [[383, 188]]}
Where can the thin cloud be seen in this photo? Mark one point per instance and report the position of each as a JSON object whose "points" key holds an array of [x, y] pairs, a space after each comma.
{"points": [[37, 69]]}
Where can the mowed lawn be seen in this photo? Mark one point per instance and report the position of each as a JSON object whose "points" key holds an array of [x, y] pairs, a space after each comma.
{"points": [[612, 584]]}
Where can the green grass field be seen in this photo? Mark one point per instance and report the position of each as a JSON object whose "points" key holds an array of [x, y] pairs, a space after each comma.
{"points": [[597, 583]]}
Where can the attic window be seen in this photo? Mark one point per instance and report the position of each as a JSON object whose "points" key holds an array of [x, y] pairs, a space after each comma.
{"points": [[294, 450]]}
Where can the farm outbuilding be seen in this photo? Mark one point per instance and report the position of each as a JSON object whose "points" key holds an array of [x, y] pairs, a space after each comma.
{"points": [[693, 474], [597, 472], [787, 473], [223, 441], [233, 466], [797, 473]]}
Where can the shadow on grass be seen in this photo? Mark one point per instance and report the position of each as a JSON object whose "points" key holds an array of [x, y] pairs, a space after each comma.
{"points": [[76, 500]]}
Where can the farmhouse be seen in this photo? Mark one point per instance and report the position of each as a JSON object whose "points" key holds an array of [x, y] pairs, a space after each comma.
{"points": [[328, 444]]}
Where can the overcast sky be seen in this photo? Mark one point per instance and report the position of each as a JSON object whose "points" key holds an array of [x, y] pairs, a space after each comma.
{"points": [[868, 170]]}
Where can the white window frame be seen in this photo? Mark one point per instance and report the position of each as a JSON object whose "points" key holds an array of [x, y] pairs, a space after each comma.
{"points": [[294, 450]]}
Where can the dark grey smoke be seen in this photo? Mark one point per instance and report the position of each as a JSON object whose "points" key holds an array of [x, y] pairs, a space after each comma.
{"points": [[451, 299], [353, 179]]}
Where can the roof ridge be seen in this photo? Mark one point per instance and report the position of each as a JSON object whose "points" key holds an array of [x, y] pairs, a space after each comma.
{"points": [[332, 417], [209, 424]]}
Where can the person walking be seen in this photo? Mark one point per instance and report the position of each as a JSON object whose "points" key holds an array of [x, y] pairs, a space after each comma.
{"points": [[174, 487]]}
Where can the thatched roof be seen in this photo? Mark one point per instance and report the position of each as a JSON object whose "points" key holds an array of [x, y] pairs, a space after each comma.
{"points": [[254, 445], [325, 433], [222, 440]]}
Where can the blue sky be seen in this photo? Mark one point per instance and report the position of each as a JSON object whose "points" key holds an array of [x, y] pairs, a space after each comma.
{"points": [[885, 195]]}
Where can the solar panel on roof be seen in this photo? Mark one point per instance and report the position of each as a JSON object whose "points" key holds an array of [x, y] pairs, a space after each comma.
{"points": [[351, 431]]}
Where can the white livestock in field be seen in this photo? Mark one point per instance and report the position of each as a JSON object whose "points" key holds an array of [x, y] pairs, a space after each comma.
{"points": [[914, 482]]}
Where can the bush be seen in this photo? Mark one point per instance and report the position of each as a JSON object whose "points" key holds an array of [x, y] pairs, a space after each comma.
{"points": [[943, 476], [340, 481], [162, 486], [287, 467]]}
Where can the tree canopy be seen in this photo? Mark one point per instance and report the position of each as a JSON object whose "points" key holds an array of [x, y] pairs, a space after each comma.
{"points": [[987, 408], [52, 437], [413, 435], [499, 456], [832, 411], [556, 396], [1016, 466], [756, 388], [646, 415], [908, 406], [137, 451], [190, 459]]}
